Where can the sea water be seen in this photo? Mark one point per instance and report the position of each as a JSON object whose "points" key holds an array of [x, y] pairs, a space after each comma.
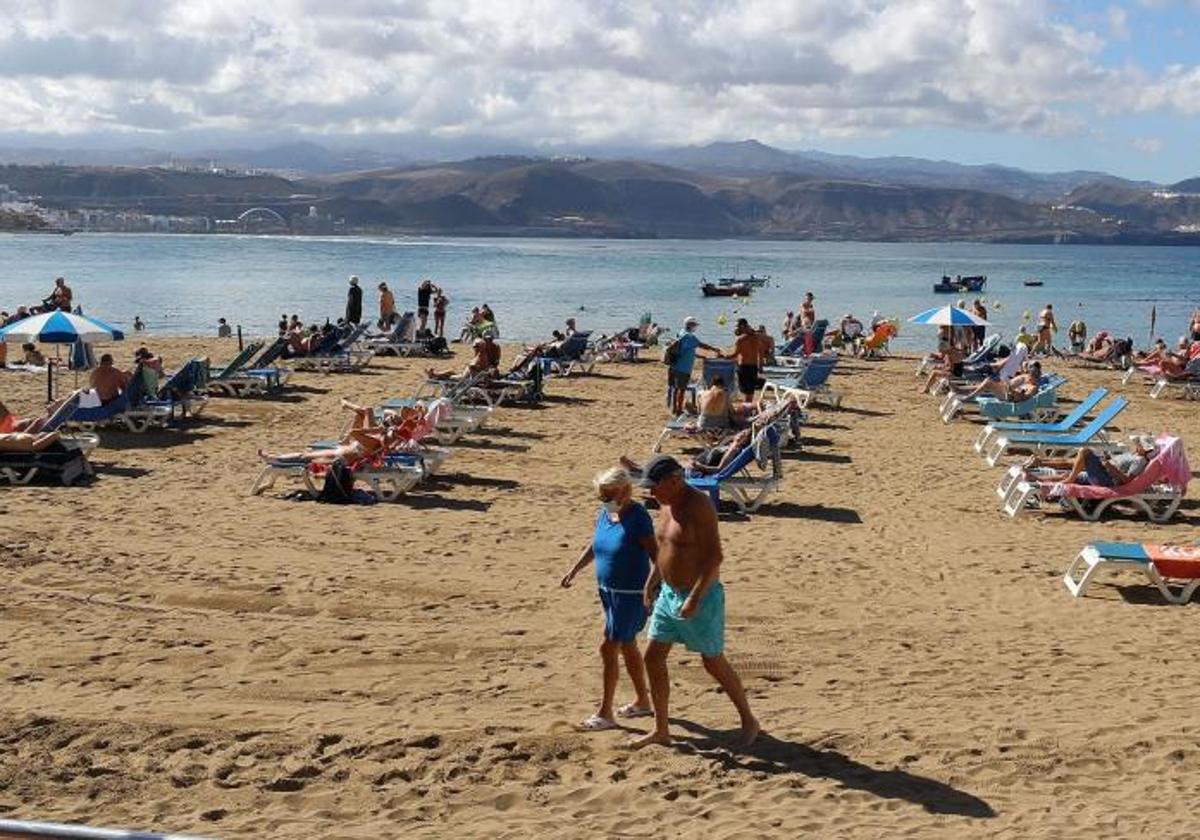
{"points": [[180, 285]]}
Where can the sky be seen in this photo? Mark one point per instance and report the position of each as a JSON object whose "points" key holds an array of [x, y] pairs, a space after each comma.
{"points": [[1039, 84]]}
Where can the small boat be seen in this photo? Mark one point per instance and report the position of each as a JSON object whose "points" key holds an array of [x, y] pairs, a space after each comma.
{"points": [[718, 290], [752, 280], [959, 284], [1034, 283]]}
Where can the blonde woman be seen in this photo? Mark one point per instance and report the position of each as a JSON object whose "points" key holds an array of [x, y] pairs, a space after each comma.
{"points": [[624, 548]]}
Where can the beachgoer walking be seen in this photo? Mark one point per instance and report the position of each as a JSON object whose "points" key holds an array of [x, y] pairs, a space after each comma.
{"points": [[223, 329], [1077, 335], [679, 374], [808, 312], [354, 302], [685, 596], [138, 323], [440, 303], [624, 548], [979, 311], [1047, 327], [60, 297], [425, 290], [387, 306]]}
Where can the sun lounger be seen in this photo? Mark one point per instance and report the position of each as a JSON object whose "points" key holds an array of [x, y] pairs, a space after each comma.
{"points": [[131, 409], [1059, 427], [1188, 382], [976, 356], [745, 490], [61, 463], [574, 354], [1156, 491], [1093, 434], [1041, 406], [804, 344], [1173, 569], [340, 355], [389, 477], [810, 384]]}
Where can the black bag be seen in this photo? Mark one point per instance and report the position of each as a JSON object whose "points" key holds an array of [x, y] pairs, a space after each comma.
{"points": [[338, 488], [436, 346]]}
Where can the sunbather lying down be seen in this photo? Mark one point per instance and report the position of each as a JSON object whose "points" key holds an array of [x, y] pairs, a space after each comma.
{"points": [[10, 422], [27, 442], [1090, 467], [363, 440]]}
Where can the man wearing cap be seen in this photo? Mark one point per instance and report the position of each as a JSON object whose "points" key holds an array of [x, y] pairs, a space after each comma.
{"points": [[685, 597], [354, 302], [680, 372]]}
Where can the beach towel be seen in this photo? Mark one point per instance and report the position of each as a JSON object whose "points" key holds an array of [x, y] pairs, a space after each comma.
{"points": [[1168, 466]]}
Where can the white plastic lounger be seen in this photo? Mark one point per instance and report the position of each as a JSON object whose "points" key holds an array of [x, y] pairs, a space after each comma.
{"points": [[1062, 426], [1094, 434], [23, 829], [1173, 569]]}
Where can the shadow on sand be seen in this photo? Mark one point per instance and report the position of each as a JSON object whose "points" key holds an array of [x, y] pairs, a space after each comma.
{"points": [[775, 757]]}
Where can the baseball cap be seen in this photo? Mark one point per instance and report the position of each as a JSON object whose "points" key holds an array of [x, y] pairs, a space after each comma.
{"points": [[658, 468], [691, 319]]}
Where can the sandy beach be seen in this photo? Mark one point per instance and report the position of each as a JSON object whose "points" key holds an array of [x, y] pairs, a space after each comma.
{"points": [[178, 655]]}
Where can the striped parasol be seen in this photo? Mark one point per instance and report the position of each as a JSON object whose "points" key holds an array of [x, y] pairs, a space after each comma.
{"points": [[948, 316]]}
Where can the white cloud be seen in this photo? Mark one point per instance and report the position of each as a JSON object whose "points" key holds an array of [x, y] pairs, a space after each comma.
{"points": [[1147, 145], [568, 71]]}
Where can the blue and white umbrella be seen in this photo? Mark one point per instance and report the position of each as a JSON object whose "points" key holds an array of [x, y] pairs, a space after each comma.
{"points": [[948, 316], [59, 328]]}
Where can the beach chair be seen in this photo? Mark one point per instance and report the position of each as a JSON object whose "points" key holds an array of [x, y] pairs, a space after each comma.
{"points": [[389, 477], [1188, 381], [1039, 407], [400, 341], [878, 344], [1063, 426], [220, 377], [745, 490], [263, 375], [980, 354], [131, 409], [1173, 569], [804, 344], [338, 353], [574, 354], [1157, 491], [1094, 434], [184, 389], [811, 384], [62, 463]]}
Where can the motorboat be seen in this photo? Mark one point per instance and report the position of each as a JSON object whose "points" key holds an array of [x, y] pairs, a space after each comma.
{"points": [[718, 289], [959, 284], [1034, 283]]}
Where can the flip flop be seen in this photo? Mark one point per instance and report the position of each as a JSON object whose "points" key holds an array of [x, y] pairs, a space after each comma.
{"points": [[596, 724], [629, 710]]}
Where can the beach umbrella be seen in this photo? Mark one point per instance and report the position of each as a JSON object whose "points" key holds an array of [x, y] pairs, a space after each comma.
{"points": [[948, 316], [58, 328]]}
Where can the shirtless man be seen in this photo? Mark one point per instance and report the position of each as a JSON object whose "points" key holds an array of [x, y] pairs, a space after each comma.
{"points": [[484, 359], [685, 597], [62, 295], [107, 381], [747, 353]]}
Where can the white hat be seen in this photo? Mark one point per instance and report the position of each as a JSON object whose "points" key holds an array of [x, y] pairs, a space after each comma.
{"points": [[691, 319], [353, 279]]}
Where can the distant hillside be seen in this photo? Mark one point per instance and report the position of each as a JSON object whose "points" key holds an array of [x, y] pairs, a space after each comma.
{"points": [[11, 221], [750, 157], [1191, 185], [513, 195]]}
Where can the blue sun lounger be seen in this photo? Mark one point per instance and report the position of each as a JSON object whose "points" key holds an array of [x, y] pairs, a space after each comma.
{"points": [[1093, 434], [1038, 407], [809, 383], [746, 491], [1063, 426]]}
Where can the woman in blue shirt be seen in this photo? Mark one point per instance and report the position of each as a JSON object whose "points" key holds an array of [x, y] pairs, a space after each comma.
{"points": [[623, 547]]}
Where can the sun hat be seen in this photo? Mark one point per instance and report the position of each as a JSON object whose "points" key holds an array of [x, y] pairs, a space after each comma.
{"points": [[691, 319]]}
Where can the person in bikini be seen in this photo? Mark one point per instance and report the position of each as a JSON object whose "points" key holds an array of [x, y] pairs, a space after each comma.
{"points": [[364, 439], [27, 441], [1017, 389]]}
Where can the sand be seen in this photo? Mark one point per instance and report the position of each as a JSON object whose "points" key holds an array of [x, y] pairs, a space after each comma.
{"points": [[175, 654]]}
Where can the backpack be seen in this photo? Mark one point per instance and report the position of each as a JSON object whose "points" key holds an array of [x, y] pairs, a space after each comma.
{"points": [[436, 345], [670, 354], [338, 488]]}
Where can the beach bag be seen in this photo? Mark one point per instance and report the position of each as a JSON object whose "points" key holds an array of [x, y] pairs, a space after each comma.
{"points": [[436, 345], [338, 488], [670, 354]]}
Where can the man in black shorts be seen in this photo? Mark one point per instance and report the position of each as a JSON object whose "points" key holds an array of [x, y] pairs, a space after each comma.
{"points": [[747, 352], [425, 290]]}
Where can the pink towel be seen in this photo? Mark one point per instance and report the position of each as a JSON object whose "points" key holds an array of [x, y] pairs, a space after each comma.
{"points": [[1168, 466]]}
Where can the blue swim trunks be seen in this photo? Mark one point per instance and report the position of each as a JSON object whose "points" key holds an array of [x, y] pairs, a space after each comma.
{"points": [[703, 633], [624, 614]]}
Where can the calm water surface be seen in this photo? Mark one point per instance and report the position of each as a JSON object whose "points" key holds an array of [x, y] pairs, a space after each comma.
{"points": [[182, 284]]}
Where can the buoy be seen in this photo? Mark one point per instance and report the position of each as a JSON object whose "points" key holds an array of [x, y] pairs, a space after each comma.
{"points": [[722, 320]]}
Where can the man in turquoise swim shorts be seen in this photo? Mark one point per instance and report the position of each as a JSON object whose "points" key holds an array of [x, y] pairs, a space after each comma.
{"points": [[685, 597]]}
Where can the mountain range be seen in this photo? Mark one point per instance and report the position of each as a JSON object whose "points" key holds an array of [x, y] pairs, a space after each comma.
{"points": [[743, 189]]}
